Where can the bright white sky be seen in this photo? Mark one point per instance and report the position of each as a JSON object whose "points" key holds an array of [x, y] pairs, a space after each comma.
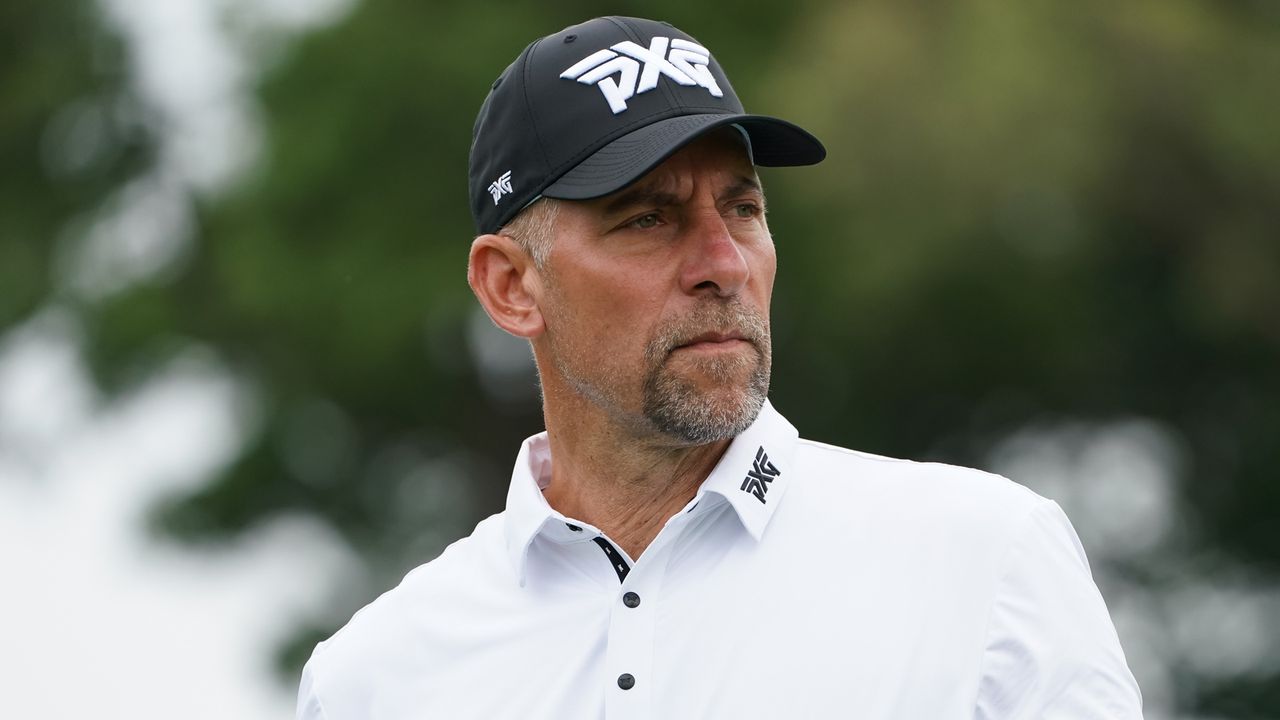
{"points": [[97, 618]]}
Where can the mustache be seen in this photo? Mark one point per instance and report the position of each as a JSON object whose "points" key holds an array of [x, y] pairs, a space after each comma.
{"points": [[713, 318]]}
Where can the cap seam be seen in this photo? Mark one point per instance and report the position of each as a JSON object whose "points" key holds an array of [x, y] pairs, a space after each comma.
{"points": [[537, 129], [626, 29]]}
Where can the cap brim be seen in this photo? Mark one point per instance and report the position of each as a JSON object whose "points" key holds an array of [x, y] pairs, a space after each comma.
{"points": [[774, 143]]}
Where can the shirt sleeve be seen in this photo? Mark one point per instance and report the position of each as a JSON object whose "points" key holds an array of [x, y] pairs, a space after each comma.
{"points": [[1051, 651], [309, 707]]}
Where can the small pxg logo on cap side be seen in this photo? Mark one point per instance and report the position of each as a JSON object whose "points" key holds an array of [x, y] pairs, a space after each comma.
{"points": [[680, 60], [500, 187]]}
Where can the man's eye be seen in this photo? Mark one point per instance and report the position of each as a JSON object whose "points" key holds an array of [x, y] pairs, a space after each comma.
{"points": [[645, 221], [746, 210]]}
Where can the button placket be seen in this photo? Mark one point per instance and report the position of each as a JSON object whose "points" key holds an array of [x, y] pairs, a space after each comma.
{"points": [[629, 657], [633, 630]]}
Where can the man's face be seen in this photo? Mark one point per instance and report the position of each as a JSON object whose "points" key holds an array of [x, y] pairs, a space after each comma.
{"points": [[657, 297]]}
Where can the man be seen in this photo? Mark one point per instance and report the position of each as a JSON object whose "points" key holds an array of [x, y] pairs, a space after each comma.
{"points": [[670, 548]]}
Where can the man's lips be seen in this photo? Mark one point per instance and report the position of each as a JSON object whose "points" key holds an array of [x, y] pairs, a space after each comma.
{"points": [[714, 341]]}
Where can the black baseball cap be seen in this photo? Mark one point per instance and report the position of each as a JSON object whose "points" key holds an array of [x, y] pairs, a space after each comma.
{"points": [[584, 112]]}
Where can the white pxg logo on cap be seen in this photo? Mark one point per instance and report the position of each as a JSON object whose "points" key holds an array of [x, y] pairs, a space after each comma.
{"points": [[685, 63], [587, 111]]}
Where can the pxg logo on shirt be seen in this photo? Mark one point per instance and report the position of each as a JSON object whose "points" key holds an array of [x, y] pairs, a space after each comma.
{"points": [[762, 473], [679, 60]]}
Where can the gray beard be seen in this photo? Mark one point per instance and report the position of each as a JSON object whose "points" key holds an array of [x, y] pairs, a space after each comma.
{"points": [[674, 406]]}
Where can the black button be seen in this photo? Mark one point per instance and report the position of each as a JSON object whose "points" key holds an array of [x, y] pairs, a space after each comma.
{"points": [[626, 681], [573, 527], [631, 599]]}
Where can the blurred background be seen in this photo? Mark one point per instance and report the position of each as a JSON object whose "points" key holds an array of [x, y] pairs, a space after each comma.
{"points": [[244, 387]]}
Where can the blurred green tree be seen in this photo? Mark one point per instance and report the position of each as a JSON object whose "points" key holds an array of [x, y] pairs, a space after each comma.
{"points": [[69, 136]]}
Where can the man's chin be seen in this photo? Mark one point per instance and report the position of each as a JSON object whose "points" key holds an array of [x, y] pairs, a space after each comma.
{"points": [[703, 412]]}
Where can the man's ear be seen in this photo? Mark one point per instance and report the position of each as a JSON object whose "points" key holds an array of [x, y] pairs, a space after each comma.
{"points": [[504, 279]]}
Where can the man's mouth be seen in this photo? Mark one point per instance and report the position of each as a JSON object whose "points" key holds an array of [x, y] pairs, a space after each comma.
{"points": [[712, 341]]}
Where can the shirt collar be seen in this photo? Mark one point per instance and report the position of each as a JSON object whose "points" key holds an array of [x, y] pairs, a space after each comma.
{"points": [[752, 476], [527, 510]]}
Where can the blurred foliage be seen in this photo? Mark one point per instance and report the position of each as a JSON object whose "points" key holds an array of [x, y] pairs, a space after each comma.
{"points": [[1029, 211], [68, 137]]}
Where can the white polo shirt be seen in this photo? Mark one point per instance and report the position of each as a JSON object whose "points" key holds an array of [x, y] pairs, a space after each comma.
{"points": [[802, 581]]}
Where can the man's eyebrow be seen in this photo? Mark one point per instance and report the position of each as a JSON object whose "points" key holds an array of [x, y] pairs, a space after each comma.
{"points": [[649, 195], [743, 186]]}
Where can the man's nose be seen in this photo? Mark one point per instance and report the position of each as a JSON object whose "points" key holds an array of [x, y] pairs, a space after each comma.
{"points": [[715, 262]]}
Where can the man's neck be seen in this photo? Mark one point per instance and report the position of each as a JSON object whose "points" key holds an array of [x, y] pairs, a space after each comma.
{"points": [[621, 484]]}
